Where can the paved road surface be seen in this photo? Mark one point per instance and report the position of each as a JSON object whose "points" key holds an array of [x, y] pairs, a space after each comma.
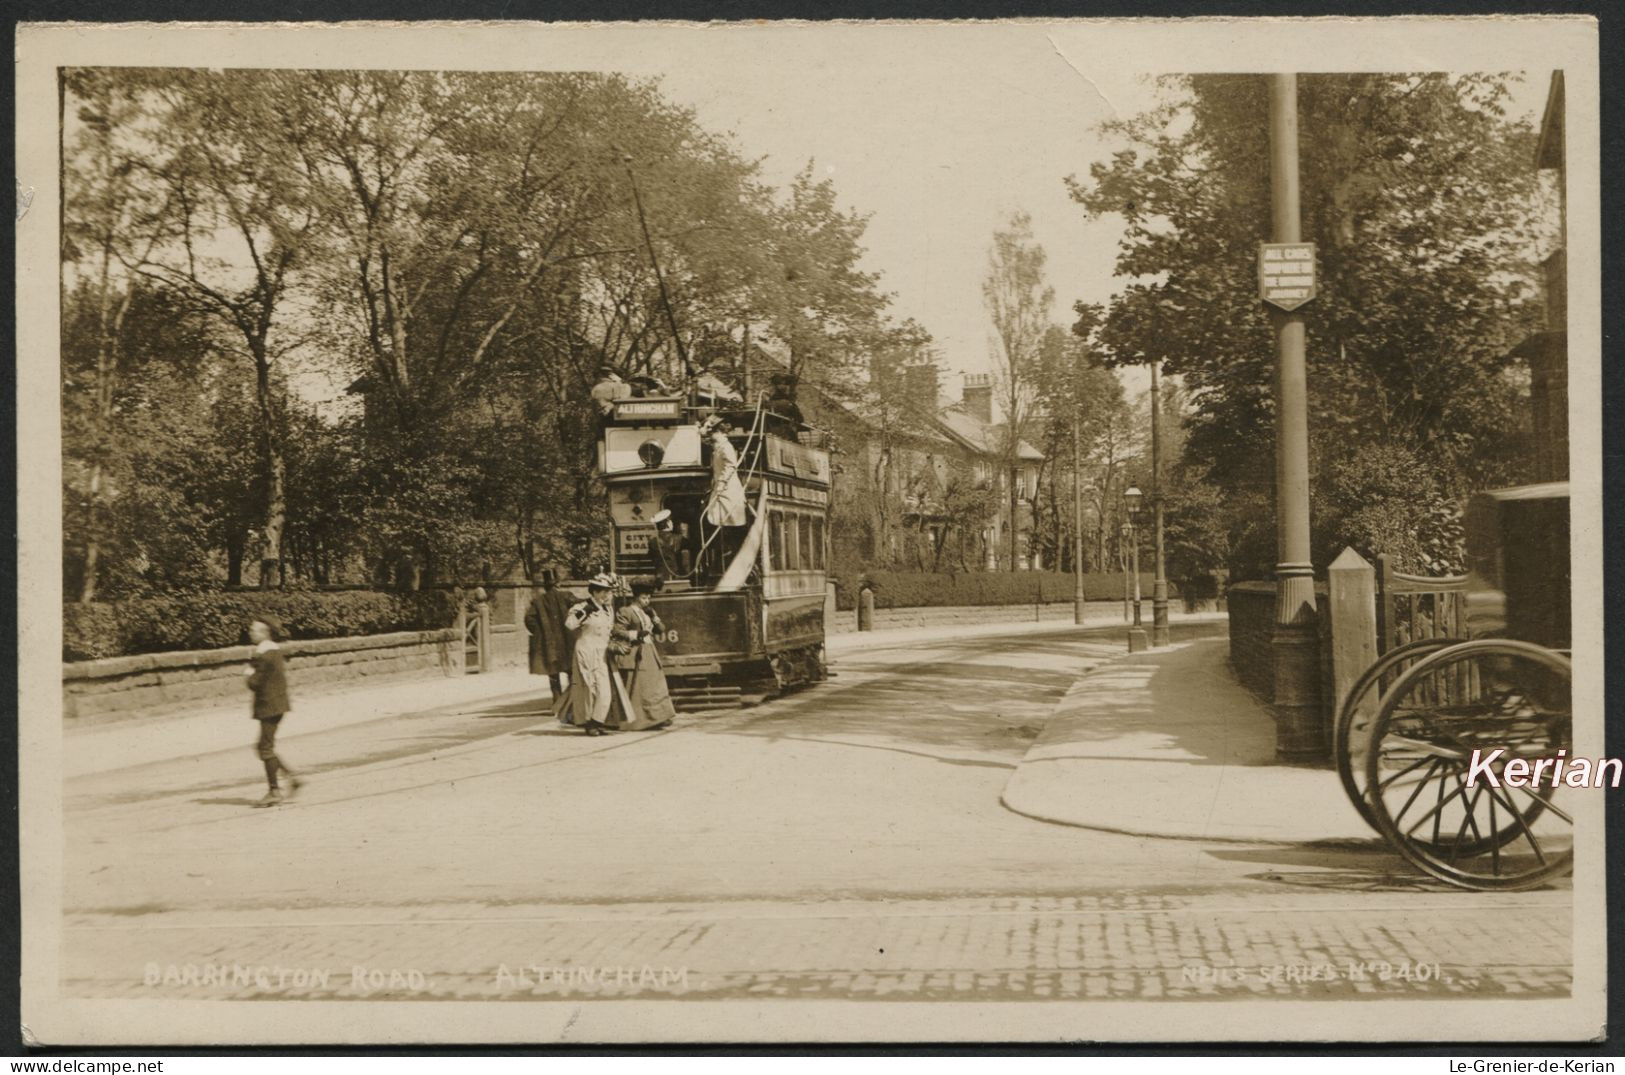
{"points": [[847, 841]]}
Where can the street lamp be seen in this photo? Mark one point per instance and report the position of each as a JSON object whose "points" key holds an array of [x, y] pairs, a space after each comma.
{"points": [[1159, 585], [1131, 501]]}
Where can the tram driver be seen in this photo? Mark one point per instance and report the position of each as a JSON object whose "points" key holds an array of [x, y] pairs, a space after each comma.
{"points": [[672, 560]]}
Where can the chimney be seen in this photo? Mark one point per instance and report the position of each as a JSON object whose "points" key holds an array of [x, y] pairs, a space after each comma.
{"points": [[920, 383], [977, 398]]}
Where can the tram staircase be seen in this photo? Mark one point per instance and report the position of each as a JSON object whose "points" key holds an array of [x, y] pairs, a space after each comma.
{"points": [[693, 699]]}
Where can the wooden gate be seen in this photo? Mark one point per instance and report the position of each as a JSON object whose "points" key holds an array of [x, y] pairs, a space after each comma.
{"points": [[1410, 607], [476, 625]]}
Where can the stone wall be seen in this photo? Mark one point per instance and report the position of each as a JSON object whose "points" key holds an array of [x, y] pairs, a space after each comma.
{"points": [[119, 688], [1252, 621]]}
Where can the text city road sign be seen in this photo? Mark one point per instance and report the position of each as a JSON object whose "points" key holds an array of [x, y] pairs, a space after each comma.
{"points": [[1286, 274]]}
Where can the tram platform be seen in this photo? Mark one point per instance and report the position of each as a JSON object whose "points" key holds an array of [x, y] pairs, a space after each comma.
{"points": [[1167, 743]]}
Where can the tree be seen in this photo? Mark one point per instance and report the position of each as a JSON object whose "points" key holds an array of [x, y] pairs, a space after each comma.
{"points": [[462, 250], [1082, 398], [1425, 212], [103, 197], [235, 223], [816, 300], [1018, 303]]}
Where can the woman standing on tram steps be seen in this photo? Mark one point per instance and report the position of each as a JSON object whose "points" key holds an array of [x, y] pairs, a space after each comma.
{"points": [[592, 684], [649, 705]]}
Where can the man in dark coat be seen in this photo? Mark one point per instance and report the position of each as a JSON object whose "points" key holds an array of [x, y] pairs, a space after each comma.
{"points": [[670, 556], [268, 679], [549, 641]]}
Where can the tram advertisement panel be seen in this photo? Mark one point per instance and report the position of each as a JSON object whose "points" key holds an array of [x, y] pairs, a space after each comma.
{"points": [[707, 624], [794, 620]]}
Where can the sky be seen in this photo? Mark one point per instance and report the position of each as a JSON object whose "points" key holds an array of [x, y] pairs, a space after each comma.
{"points": [[937, 133], [938, 138], [938, 146]]}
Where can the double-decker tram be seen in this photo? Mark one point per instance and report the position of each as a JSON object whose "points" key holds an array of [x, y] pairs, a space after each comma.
{"points": [[728, 506]]}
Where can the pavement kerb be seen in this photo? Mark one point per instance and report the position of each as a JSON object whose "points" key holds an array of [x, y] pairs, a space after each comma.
{"points": [[1166, 744], [890, 638]]}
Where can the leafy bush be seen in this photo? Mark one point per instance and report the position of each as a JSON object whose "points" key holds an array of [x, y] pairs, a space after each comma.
{"points": [[914, 589], [1387, 499], [214, 620]]}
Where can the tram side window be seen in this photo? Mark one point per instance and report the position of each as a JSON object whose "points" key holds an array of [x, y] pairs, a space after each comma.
{"points": [[818, 544], [775, 539], [809, 557], [792, 548]]}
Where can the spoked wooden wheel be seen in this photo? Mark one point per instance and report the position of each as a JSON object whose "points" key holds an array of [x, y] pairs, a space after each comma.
{"points": [[1477, 696], [1352, 731]]}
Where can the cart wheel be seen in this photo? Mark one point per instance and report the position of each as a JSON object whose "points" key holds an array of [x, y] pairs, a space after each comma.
{"points": [[1352, 731], [1476, 696]]}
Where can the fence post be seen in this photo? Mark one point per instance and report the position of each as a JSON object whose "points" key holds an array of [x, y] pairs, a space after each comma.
{"points": [[459, 646], [1351, 585], [866, 608], [484, 610], [1385, 603]]}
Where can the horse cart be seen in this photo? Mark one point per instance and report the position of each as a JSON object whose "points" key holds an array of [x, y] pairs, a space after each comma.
{"points": [[1478, 681]]}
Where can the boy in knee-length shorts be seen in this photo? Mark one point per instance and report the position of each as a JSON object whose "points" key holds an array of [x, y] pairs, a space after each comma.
{"points": [[268, 679]]}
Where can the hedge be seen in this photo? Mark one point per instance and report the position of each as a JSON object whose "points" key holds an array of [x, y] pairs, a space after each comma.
{"points": [[215, 620], [913, 589]]}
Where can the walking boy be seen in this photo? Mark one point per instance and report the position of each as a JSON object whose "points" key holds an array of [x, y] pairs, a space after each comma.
{"points": [[268, 679]]}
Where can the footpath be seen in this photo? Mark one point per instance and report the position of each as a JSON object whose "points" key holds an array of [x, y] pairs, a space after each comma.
{"points": [[1166, 743], [121, 744]]}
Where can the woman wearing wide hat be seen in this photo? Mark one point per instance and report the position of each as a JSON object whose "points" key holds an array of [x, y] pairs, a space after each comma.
{"points": [[592, 683], [648, 703]]}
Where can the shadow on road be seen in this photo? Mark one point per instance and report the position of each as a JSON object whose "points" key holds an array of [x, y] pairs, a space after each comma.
{"points": [[1342, 865]]}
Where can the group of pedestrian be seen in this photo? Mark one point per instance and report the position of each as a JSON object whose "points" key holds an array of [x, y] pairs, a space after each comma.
{"points": [[617, 680], [616, 677]]}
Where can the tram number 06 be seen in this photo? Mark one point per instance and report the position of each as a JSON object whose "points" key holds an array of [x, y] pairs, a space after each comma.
{"points": [[669, 637]]}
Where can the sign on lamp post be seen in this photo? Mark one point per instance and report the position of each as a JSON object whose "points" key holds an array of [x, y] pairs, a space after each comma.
{"points": [[1286, 274]]}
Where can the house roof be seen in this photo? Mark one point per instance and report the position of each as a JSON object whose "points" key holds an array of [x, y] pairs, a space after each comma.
{"points": [[984, 437], [1549, 150]]}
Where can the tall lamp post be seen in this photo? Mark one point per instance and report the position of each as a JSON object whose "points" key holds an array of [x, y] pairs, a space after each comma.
{"points": [[1300, 731], [1077, 524], [1159, 585], [1131, 500]]}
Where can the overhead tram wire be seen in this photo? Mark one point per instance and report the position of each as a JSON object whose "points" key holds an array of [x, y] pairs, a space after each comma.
{"points": [[660, 277]]}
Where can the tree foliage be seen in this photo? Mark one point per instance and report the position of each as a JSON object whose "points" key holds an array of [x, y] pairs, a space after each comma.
{"points": [[1420, 196], [462, 250]]}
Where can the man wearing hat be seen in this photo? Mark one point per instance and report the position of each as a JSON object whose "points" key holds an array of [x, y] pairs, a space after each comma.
{"points": [[671, 557], [268, 679], [590, 624], [549, 641], [609, 388]]}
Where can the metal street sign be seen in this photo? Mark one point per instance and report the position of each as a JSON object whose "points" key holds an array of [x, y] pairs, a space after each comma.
{"points": [[1286, 274]]}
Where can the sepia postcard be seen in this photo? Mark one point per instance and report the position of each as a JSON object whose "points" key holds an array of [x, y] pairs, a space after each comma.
{"points": [[786, 532]]}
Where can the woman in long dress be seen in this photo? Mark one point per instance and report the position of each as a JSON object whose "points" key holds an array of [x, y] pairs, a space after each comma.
{"points": [[648, 703], [592, 682]]}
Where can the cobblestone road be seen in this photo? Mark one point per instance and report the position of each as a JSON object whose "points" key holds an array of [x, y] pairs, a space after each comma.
{"points": [[1121, 947]]}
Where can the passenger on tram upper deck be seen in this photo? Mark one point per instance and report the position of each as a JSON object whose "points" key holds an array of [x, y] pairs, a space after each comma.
{"points": [[608, 389], [647, 384], [784, 414]]}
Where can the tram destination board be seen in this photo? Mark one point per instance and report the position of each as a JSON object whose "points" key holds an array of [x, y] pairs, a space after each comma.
{"points": [[1286, 274]]}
